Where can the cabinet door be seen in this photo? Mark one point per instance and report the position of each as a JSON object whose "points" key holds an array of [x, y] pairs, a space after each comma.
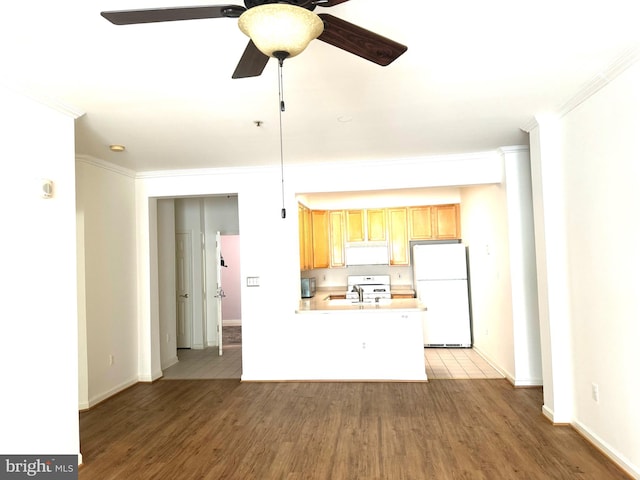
{"points": [[305, 232], [420, 223], [398, 240], [355, 226], [376, 225], [446, 221], [302, 238], [320, 238], [308, 228], [336, 238]]}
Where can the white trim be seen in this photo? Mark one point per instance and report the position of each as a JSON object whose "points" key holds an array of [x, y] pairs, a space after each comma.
{"points": [[624, 61], [58, 106], [393, 163], [529, 382], [171, 362], [548, 413], [232, 323], [111, 392], [150, 378], [112, 167], [608, 450]]}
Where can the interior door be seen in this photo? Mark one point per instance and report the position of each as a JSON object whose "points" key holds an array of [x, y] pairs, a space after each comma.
{"points": [[184, 311], [219, 292]]}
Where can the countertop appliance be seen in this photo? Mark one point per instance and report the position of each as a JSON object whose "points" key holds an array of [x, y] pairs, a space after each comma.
{"points": [[440, 280], [307, 287], [368, 288]]}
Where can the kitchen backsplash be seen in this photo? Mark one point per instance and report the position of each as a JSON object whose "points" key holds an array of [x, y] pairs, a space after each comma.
{"points": [[337, 277]]}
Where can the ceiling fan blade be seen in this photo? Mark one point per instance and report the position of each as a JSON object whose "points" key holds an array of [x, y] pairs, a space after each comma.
{"points": [[329, 3], [151, 15], [251, 63], [361, 42]]}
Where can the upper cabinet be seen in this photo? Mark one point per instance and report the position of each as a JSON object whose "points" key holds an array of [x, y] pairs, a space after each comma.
{"points": [[398, 239], [336, 238], [420, 223], [320, 238], [434, 222], [305, 237], [376, 225], [366, 225], [355, 225], [324, 233], [446, 222]]}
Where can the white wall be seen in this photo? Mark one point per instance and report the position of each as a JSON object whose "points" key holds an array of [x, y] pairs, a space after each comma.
{"points": [[484, 230], [231, 280], [39, 342], [595, 149], [269, 244], [601, 150], [167, 281], [107, 246]]}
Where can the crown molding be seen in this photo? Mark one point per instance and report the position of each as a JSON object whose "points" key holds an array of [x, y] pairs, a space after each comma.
{"points": [[58, 106], [103, 164], [196, 172], [624, 61]]}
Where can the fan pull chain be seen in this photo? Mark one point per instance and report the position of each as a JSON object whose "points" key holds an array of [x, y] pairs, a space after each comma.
{"points": [[283, 212]]}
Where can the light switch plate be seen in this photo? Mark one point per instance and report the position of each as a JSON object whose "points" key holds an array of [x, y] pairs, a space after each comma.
{"points": [[253, 281]]}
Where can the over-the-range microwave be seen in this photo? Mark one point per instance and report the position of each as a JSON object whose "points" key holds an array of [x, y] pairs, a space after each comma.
{"points": [[307, 287]]}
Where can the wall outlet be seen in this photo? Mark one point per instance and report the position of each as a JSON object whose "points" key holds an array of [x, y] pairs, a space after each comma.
{"points": [[110, 360], [595, 392], [167, 338]]}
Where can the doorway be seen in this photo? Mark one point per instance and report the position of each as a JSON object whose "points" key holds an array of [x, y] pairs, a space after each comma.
{"points": [[231, 302], [198, 218]]}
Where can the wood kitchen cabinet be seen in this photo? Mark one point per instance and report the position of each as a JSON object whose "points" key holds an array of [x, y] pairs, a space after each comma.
{"points": [[366, 225], [376, 225], [336, 238], [398, 236], [320, 238], [324, 233], [420, 223], [305, 237], [434, 222], [446, 221], [355, 225]]}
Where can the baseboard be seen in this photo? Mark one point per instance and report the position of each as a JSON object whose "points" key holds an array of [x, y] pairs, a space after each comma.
{"points": [[110, 393], [79, 459], [615, 456], [529, 382], [150, 378], [547, 413], [170, 363], [232, 323], [500, 370]]}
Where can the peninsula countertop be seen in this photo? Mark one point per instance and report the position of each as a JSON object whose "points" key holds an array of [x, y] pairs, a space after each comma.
{"points": [[321, 303]]}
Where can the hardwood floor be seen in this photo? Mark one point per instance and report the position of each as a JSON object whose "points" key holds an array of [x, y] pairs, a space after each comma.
{"points": [[225, 429]]}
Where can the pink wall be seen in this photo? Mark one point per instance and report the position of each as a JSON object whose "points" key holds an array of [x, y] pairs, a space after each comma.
{"points": [[230, 249]]}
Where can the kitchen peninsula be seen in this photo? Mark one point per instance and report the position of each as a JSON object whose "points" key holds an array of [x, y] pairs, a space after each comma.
{"points": [[371, 341]]}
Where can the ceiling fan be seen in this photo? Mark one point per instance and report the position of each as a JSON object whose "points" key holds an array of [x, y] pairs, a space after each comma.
{"points": [[263, 21]]}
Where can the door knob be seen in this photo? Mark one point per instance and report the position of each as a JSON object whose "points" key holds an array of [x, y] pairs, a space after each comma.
{"points": [[186, 295]]}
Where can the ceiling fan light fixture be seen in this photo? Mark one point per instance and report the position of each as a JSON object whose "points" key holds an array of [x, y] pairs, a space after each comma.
{"points": [[280, 27]]}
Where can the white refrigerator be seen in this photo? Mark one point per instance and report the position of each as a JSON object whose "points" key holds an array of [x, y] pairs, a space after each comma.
{"points": [[440, 280]]}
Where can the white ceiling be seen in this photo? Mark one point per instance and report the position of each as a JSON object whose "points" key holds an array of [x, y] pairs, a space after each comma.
{"points": [[476, 73]]}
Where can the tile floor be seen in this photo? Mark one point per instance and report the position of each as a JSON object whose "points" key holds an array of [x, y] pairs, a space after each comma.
{"points": [[441, 363], [457, 363]]}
